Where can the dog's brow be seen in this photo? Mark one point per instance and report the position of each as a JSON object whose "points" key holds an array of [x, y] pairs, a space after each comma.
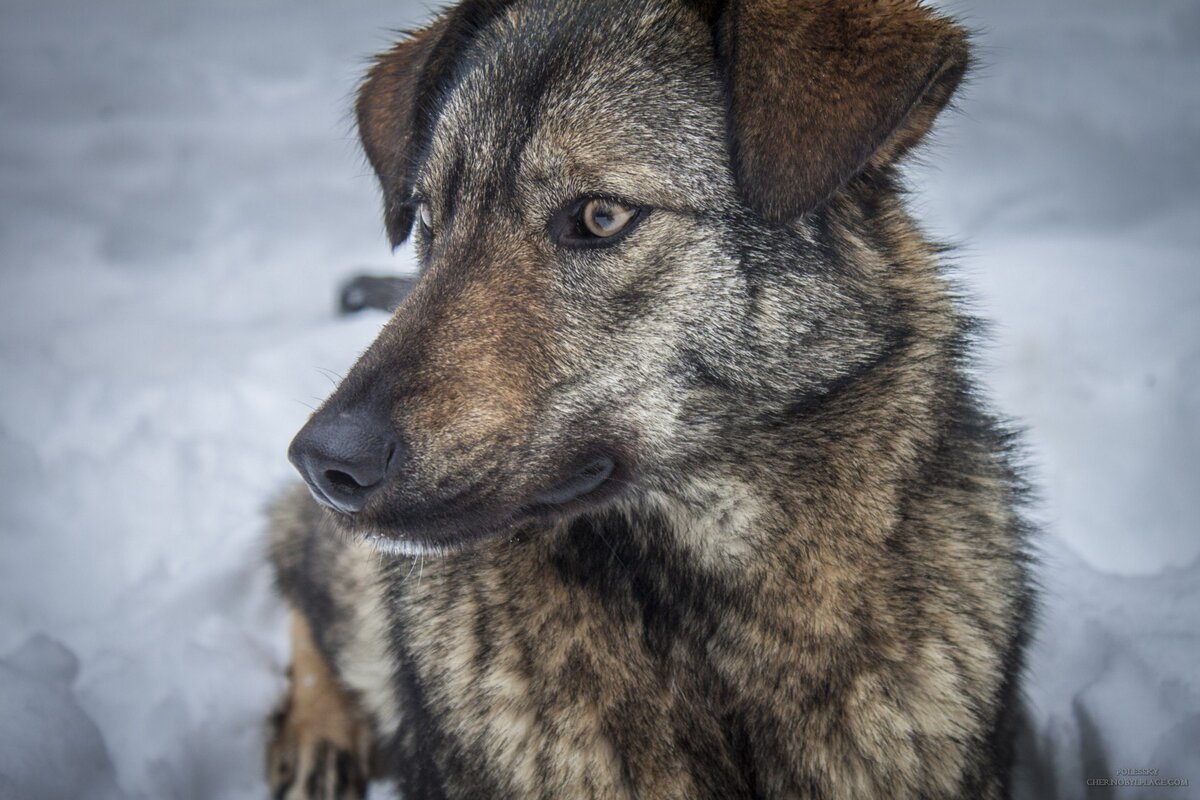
{"points": [[629, 179]]}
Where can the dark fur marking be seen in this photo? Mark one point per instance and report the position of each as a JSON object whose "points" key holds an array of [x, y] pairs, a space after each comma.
{"points": [[637, 574]]}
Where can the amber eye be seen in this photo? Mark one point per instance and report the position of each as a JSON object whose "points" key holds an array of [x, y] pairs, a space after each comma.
{"points": [[589, 222], [604, 218]]}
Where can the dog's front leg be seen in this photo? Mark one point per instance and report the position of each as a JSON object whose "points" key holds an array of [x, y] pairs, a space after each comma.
{"points": [[320, 740]]}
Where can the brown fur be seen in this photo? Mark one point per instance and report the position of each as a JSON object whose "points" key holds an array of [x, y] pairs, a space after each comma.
{"points": [[319, 735], [385, 123], [821, 88]]}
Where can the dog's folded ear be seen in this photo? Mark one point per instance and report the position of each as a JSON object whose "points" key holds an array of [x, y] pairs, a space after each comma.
{"points": [[387, 123], [820, 90], [399, 99], [394, 113]]}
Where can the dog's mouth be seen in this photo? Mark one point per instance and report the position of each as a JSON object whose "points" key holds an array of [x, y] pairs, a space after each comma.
{"points": [[586, 482], [439, 528]]}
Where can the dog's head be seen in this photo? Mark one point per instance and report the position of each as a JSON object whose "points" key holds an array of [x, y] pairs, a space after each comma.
{"points": [[620, 213]]}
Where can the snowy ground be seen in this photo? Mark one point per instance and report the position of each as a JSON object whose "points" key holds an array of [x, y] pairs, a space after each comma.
{"points": [[179, 193]]}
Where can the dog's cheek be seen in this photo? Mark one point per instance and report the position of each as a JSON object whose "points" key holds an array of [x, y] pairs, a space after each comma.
{"points": [[662, 335]]}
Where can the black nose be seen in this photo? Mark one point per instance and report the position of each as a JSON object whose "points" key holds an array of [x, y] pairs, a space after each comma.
{"points": [[344, 457]]}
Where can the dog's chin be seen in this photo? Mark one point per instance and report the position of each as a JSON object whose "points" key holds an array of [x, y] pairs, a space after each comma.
{"points": [[422, 543], [597, 483], [434, 530]]}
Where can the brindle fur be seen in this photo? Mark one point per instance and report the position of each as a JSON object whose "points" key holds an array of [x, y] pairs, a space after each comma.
{"points": [[812, 583]]}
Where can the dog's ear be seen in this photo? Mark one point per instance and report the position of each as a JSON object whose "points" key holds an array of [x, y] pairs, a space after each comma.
{"points": [[821, 89], [400, 98], [388, 121]]}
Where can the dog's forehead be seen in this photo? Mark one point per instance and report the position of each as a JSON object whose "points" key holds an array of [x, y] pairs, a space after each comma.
{"points": [[616, 93]]}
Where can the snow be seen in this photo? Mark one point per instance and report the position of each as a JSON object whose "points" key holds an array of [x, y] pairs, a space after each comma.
{"points": [[60, 752], [180, 193]]}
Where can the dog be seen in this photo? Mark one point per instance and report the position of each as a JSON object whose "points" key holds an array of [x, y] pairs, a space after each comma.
{"points": [[666, 479]]}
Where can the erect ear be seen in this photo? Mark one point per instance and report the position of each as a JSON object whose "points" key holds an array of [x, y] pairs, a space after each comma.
{"points": [[387, 111], [821, 89]]}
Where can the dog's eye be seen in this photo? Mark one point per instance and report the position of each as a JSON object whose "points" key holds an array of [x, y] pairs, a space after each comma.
{"points": [[604, 218], [426, 217], [593, 222]]}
